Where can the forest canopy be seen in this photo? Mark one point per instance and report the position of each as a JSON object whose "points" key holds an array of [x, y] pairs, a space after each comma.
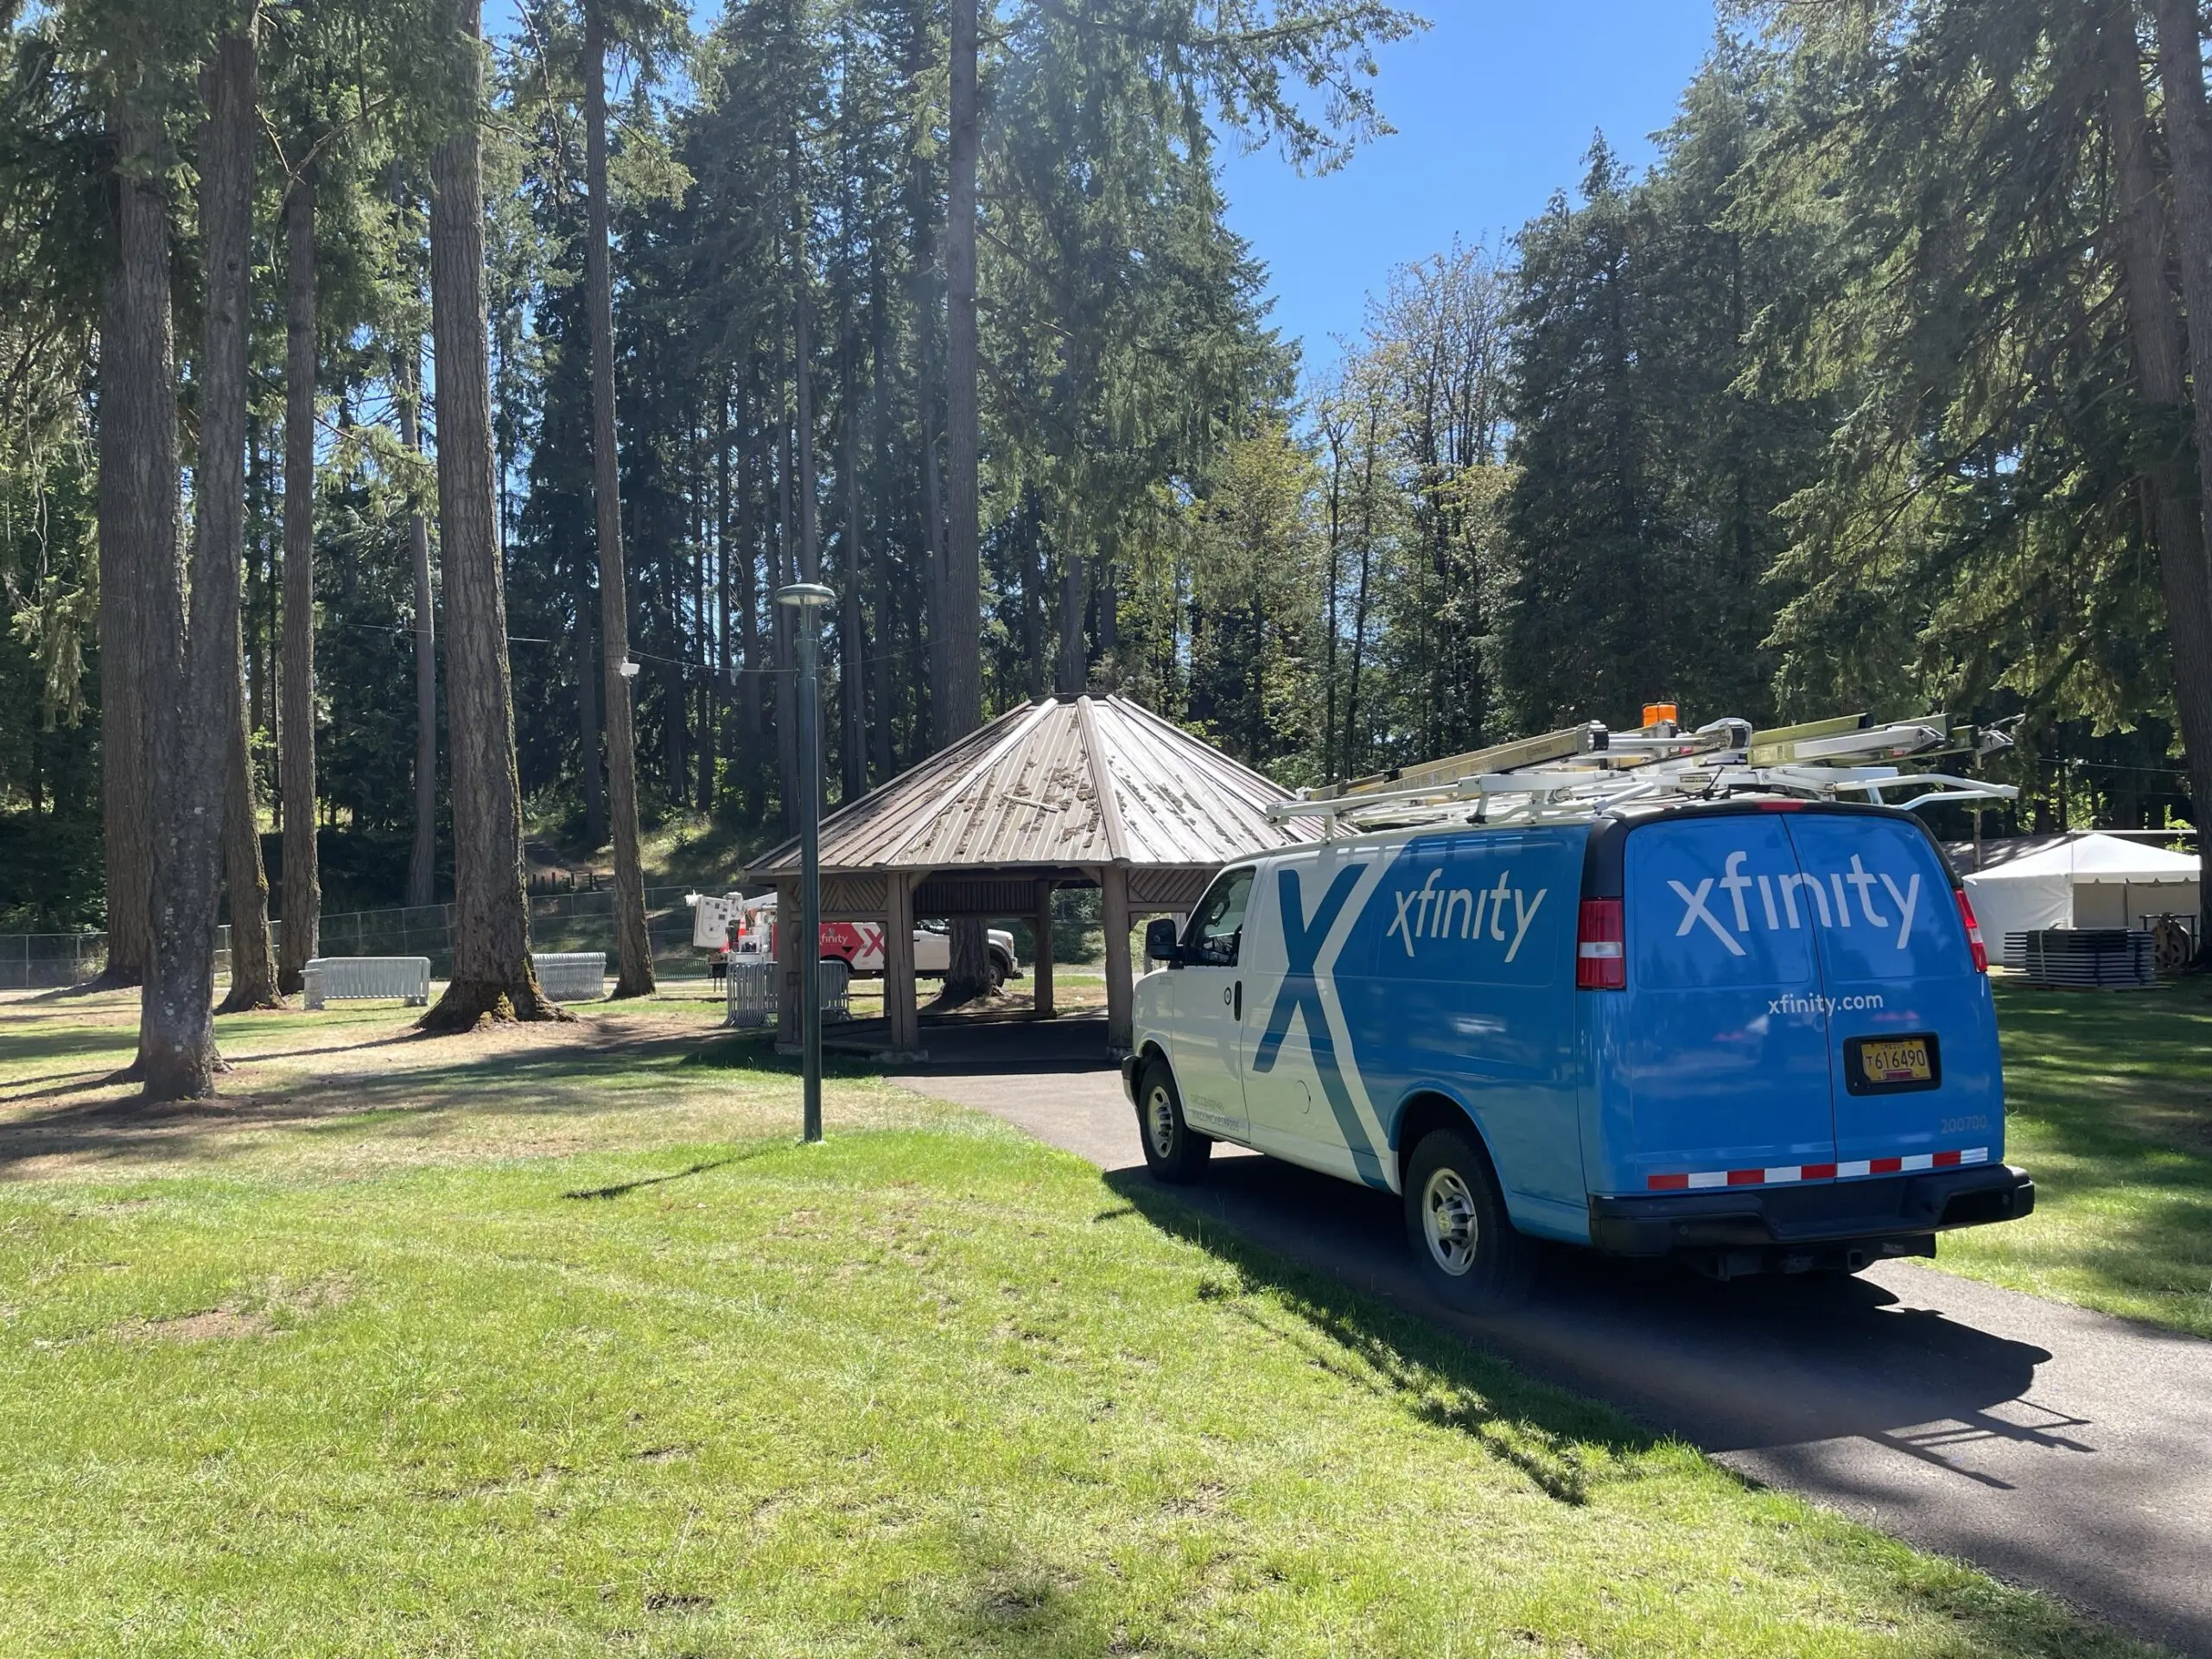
{"points": [[1852, 399]]}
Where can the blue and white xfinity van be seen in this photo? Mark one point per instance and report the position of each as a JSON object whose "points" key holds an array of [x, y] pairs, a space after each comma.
{"points": [[1756, 1032]]}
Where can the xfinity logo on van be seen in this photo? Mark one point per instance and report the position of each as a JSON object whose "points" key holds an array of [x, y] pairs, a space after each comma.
{"points": [[1429, 912], [1794, 900]]}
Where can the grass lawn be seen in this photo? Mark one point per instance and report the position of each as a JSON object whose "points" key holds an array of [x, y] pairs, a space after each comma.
{"points": [[551, 1342], [2109, 1106]]}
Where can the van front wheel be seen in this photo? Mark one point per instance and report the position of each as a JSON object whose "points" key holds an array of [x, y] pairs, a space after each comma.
{"points": [[1463, 1243], [1173, 1151]]}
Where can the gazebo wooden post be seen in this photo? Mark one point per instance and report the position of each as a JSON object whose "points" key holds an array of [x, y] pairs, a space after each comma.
{"points": [[1120, 989], [1040, 971], [900, 1012]]}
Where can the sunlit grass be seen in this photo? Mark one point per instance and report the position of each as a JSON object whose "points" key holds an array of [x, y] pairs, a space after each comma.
{"points": [[558, 1344], [2109, 1103]]}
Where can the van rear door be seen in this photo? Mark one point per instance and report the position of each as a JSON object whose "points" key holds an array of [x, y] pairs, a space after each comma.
{"points": [[1725, 1047], [1911, 1029]]}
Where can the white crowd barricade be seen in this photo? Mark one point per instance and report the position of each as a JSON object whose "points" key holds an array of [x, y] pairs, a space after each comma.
{"points": [[571, 975], [353, 979], [752, 991]]}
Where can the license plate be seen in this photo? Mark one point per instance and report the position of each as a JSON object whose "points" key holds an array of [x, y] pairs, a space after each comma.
{"points": [[1875, 1065], [1903, 1061]]}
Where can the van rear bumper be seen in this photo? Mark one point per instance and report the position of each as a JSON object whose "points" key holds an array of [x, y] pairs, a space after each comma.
{"points": [[1896, 1206]]}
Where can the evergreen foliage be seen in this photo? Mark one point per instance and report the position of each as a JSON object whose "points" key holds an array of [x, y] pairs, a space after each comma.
{"points": [[1833, 407]]}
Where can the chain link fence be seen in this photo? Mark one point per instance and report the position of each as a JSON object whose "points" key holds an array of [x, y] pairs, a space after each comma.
{"points": [[563, 921]]}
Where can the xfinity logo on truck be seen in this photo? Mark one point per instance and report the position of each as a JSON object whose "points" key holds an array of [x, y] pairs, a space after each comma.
{"points": [[1795, 899], [1429, 912]]}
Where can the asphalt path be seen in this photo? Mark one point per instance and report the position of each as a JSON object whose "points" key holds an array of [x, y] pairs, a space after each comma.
{"points": [[2053, 1447]]}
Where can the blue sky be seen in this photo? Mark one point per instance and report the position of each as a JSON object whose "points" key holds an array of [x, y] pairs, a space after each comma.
{"points": [[1495, 106]]}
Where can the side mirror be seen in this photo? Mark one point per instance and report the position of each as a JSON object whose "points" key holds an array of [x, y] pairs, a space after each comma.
{"points": [[1159, 942]]}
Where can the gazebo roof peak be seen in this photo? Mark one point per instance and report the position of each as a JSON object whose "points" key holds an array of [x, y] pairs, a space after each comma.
{"points": [[1066, 781]]}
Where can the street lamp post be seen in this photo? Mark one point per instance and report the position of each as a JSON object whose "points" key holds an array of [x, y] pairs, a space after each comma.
{"points": [[806, 598]]}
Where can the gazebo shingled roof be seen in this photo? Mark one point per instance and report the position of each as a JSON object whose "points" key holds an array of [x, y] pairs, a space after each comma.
{"points": [[1080, 781], [1067, 791]]}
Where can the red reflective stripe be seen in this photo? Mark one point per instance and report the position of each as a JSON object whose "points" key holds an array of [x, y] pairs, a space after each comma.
{"points": [[1946, 1160], [1884, 1166], [1746, 1176], [1668, 1183], [1818, 1172]]}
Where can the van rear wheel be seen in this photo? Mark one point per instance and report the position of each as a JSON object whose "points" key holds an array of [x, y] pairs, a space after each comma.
{"points": [[1463, 1241], [1173, 1151]]}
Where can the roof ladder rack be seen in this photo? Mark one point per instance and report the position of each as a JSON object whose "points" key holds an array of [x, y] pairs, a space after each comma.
{"points": [[1579, 770]]}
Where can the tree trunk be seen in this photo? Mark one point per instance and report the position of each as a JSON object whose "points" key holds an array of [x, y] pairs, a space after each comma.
{"points": [[2183, 566], [883, 610], [491, 972], [1032, 598], [197, 717], [1074, 672], [963, 572], [852, 669], [933, 585], [750, 663], [633, 948], [725, 539], [253, 962], [968, 973], [296, 729], [141, 618], [779, 619], [422, 858], [588, 763]]}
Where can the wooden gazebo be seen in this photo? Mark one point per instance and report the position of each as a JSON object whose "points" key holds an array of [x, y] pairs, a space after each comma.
{"points": [[1069, 792]]}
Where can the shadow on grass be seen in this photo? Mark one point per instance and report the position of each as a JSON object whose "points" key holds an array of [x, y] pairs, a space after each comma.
{"points": [[565, 1080], [1438, 1371], [755, 1053], [621, 1189], [1433, 1374]]}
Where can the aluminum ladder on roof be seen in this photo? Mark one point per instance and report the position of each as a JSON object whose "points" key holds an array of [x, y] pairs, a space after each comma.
{"points": [[1579, 770]]}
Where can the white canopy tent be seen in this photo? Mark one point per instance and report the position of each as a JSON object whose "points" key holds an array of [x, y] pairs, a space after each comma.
{"points": [[2092, 881]]}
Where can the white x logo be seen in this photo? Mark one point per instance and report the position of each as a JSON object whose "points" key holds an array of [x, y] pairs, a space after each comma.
{"points": [[1695, 912]]}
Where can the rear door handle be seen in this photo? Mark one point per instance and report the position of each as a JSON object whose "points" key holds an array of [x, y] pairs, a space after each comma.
{"points": [[1239, 990]]}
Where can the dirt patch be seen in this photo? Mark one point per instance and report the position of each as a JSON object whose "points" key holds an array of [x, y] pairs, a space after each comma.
{"points": [[213, 1325], [277, 1308]]}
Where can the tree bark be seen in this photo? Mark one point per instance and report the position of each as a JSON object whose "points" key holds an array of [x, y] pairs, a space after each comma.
{"points": [[492, 971], [962, 571], [851, 667], [588, 763], [246, 881], [422, 857], [633, 947], [197, 716], [2183, 565], [1074, 672], [141, 615], [296, 729], [968, 974], [749, 663], [779, 620]]}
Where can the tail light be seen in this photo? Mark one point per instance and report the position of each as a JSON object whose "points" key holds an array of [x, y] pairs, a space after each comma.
{"points": [[1973, 932], [1601, 958]]}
